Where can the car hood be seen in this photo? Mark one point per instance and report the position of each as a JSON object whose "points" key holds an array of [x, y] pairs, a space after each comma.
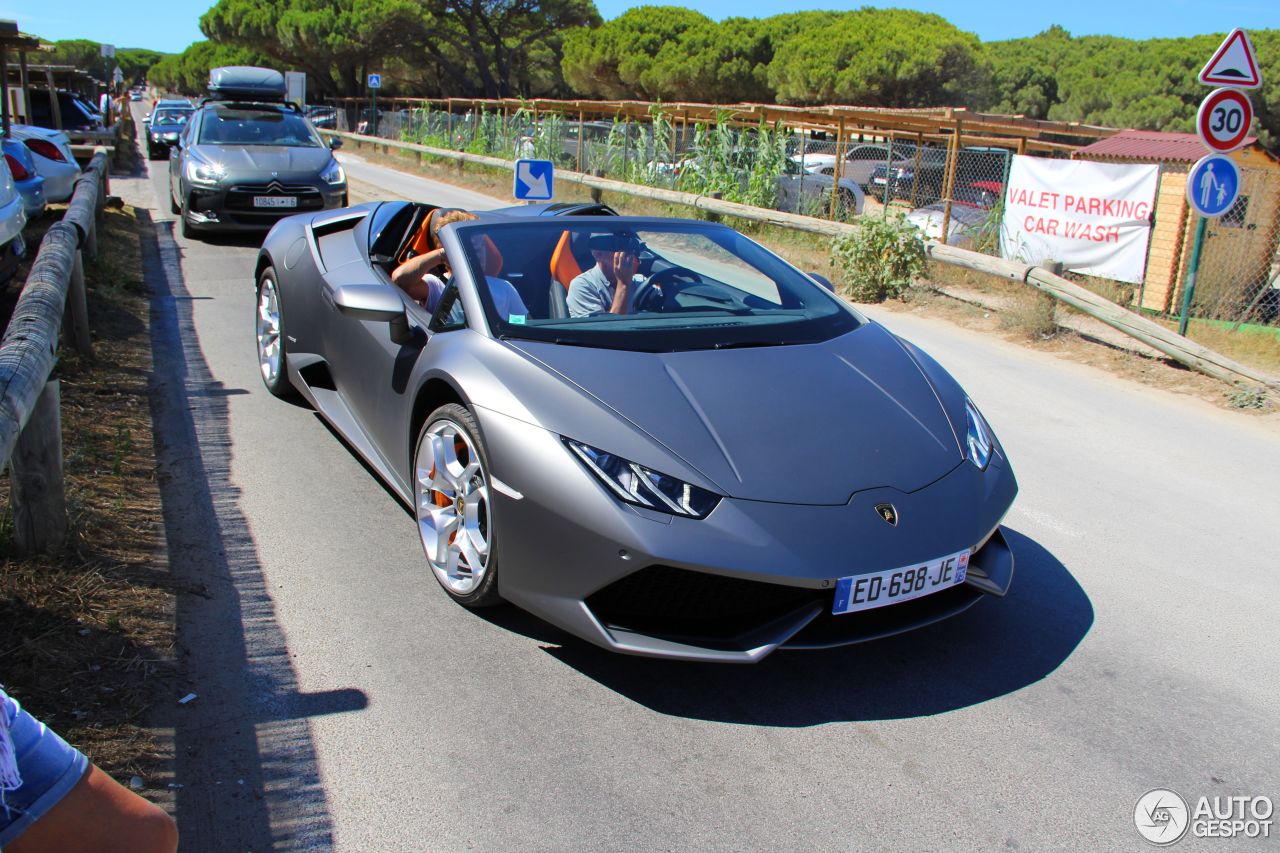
{"points": [[808, 424], [251, 161]]}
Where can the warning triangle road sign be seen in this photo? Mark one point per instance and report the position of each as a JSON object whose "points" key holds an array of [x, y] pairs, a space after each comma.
{"points": [[1234, 65]]}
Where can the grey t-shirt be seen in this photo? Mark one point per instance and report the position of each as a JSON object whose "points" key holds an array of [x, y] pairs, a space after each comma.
{"points": [[592, 293]]}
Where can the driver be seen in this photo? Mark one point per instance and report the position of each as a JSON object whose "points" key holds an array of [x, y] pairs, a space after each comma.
{"points": [[610, 286]]}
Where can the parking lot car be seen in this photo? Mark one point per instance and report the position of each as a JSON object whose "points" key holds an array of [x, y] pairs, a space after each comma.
{"points": [[76, 112], [968, 224], [741, 462], [51, 151], [321, 116], [163, 127], [859, 163], [801, 191], [13, 218], [246, 157], [28, 181]]}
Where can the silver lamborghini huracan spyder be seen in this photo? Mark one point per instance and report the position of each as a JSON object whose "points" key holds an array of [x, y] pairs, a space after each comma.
{"points": [[725, 461]]}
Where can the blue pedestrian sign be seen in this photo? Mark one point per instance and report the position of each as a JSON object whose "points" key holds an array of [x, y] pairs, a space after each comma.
{"points": [[375, 81], [533, 180], [1213, 185]]}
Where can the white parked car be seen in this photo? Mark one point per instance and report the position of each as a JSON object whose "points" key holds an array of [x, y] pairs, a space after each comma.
{"points": [[51, 149], [967, 223], [13, 218], [859, 162]]}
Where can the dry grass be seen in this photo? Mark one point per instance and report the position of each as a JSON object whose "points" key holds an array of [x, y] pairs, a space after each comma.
{"points": [[1031, 314], [1253, 345], [86, 636]]}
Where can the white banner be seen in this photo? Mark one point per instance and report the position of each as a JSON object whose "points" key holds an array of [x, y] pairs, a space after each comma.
{"points": [[1093, 217]]}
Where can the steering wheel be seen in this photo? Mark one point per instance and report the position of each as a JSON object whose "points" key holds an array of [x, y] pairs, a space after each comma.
{"points": [[657, 291]]}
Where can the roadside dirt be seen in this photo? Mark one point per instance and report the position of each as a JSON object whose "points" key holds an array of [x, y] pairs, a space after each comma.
{"points": [[86, 635]]}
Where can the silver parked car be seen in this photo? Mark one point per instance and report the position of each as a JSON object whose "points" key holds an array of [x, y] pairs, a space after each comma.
{"points": [[245, 158], [13, 218], [741, 462]]}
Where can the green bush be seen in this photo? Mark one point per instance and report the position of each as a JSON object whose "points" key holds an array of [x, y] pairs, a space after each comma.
{"points": [[880, 259]]}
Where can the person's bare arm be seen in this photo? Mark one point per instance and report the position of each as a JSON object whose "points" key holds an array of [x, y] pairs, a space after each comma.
{"points": [[624, 269], [408, 276]]}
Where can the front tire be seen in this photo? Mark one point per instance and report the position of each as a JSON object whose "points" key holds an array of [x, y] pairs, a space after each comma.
{"points": [[452, 505], [187, 230], [269, 326]]}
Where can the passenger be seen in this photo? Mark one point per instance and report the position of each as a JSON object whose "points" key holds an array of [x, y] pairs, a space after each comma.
{"points": [[423, 276], [610, 286]]}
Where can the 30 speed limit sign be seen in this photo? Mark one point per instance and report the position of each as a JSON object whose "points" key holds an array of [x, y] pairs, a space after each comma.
{"points": [[1224, 119]]}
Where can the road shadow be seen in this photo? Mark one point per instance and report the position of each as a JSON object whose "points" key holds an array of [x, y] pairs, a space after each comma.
{"points": [[996, 647], [244, 755]]}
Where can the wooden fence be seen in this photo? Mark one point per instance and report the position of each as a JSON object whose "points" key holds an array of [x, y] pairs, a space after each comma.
{"points": [[1182, 350], [52, 302]]}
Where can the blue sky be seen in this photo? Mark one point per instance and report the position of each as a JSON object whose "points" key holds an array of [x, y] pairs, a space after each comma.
{"points": [[173, 25]]}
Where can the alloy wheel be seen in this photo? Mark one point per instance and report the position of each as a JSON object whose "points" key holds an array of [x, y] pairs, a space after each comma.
{"points": [[451, 492]]}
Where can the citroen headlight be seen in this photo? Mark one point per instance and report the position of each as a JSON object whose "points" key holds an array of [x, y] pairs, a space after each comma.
{"points": [[333, 173], [644, 487], [979, 436], [206, 174]]}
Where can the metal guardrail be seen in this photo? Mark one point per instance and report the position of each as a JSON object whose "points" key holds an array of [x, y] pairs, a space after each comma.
{"points": [[1181, 349], [30, 428]]}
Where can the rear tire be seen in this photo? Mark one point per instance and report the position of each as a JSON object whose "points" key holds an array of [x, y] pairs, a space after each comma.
{"points": [[451, 490]]}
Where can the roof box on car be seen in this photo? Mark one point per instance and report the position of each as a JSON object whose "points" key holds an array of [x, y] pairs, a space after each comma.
{"points": [[246, 83]]}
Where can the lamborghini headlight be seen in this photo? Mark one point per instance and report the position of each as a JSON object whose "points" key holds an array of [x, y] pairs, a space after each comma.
{"points": [[645, 487], [205, 174], [333, 173], [979, 438]]}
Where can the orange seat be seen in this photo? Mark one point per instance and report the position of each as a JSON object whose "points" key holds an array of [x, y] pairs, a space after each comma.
{"points": [[564, 266], [421, 242]]}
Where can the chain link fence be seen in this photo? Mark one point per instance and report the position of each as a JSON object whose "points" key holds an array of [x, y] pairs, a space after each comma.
{"points": [[767, 165]]}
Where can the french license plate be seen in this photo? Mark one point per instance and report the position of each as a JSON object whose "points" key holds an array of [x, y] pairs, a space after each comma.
{"points": [[878, 589], [878, 181], [274, 201]]}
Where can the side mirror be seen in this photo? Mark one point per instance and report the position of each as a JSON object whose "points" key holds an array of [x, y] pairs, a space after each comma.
{"points": [[378, 303], [823, 280], [146, 119], [335, 142]]}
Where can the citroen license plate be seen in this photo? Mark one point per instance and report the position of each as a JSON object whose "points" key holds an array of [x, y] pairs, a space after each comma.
{"points": [[878, 589], [274, 201]]}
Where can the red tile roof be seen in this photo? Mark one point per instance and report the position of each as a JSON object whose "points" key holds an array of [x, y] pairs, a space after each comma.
{"points": [[1151, 146]]}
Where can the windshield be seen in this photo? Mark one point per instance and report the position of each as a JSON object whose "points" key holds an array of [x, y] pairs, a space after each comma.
{"points": [[689, 285], [233, 126], [171, 116]]}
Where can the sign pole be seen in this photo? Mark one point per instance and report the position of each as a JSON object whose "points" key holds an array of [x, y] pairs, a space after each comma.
{"points": [[1190, 289], [373, 115]]}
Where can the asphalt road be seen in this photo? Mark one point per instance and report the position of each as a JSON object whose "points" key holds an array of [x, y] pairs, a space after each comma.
{"points": [[344, 702]]}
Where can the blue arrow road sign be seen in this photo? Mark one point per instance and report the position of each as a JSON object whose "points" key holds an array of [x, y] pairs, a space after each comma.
{"points": [[1213, 184], [533, 180], [375, 81]]}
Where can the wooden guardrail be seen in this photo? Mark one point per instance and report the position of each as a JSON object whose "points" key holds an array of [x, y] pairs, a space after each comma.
{"points": [[1181, 349], [30, 427]]}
